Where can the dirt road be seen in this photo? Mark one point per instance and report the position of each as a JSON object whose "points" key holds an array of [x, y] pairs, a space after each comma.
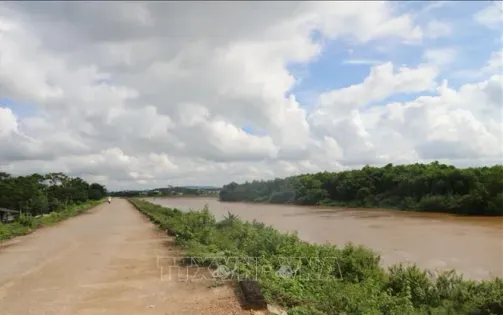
{"points": [[102, 262]]}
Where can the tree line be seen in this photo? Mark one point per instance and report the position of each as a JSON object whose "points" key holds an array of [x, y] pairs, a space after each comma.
{"points": [[39, 194], [167, 192], [431, 187]]}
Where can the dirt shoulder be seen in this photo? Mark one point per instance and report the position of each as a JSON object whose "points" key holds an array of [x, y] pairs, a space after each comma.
{"points": [[105, 261]]}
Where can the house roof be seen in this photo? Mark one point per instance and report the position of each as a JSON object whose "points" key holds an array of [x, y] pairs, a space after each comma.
{"points": [[8, 210]]}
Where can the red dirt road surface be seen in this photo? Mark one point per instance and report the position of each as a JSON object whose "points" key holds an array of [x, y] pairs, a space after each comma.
{"points": [[102, 262]]}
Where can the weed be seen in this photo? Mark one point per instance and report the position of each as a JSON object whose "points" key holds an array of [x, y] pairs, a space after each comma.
{"points": [[26, 223], [322, 279]]}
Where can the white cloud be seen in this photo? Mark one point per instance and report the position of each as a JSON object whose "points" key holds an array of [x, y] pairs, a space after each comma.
{"points": [[495, 63], [146, 94], [491, 16], [339, 112], [438, 29], [440, 56], [370, 62], [432, 5], [462, 124], [8, 122], [382, 82]]}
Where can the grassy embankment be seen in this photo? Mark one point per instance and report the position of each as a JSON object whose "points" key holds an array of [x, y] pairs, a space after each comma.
{"points": [[182, 196], [331, 280], [26, 224]]}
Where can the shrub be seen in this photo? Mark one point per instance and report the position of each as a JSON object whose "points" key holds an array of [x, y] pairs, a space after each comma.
{"points": [[26, 220], [322, 279], [413, 281], [26, 223]]}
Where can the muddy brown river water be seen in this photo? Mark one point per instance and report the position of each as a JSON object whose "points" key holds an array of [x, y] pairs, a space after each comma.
{"points": [[471, 245]]}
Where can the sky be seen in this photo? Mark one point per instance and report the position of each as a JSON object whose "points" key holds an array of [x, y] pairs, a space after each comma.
{"points": [[137, 95]]}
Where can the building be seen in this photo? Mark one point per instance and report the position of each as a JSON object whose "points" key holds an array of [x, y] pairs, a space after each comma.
{"points": [[8, 215]]}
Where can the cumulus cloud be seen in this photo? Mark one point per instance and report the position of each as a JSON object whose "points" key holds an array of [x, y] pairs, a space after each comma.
{"points": [[451, 125], [491, 16], [148, 94], [8, 122]]}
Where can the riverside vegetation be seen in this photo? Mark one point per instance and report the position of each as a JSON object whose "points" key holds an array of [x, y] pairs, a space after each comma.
{"points": [[420, 187], [44, 200], [331, 279], [169, 192]]}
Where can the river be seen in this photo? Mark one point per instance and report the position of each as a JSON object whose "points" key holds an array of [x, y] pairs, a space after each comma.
{"points": [[471, 245]]}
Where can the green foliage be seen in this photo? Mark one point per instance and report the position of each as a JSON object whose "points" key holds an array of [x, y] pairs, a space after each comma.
{"points": [[357, 264], [40, 194], [421, 187], [305, 310], [26, 223], [96, 191], [325, 279], [43, 200], [169, 192], [412, 281], [27, 220], [8, 231]]}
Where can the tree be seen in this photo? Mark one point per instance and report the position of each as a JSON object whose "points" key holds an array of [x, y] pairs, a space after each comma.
{"points": [[37, 194], [427, 187]]}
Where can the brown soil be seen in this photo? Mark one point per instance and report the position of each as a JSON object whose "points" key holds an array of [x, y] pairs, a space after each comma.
{"points": [[110, 261]]}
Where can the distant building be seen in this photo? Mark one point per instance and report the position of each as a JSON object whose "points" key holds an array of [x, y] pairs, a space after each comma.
{"points": [[8, 215]]}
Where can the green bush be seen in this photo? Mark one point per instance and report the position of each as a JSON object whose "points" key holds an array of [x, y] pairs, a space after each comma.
{"points": [[358, 264], [304, 310], [10, 230], [27, 220], [26, 223], [322, 279], [413, 281]]}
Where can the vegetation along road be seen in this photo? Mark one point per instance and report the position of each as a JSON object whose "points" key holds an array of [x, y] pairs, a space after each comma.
{"points": [[101, 262], [310, 279], [435, 241]]}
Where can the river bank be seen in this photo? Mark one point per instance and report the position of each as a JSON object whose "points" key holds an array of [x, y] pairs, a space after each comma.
{"points": [[321, 279], [435, 241]]}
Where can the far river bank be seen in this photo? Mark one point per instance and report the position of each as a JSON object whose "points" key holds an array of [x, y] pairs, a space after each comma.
{"points": [[471, 245]]}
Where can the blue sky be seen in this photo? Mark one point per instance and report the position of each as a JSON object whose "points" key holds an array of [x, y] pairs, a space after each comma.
{"points": [[21, 109], [473, 44]]}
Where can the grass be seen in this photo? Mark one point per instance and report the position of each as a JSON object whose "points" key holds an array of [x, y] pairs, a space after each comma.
{"points": [[26, 224], [182, 196], [326, 279]]}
